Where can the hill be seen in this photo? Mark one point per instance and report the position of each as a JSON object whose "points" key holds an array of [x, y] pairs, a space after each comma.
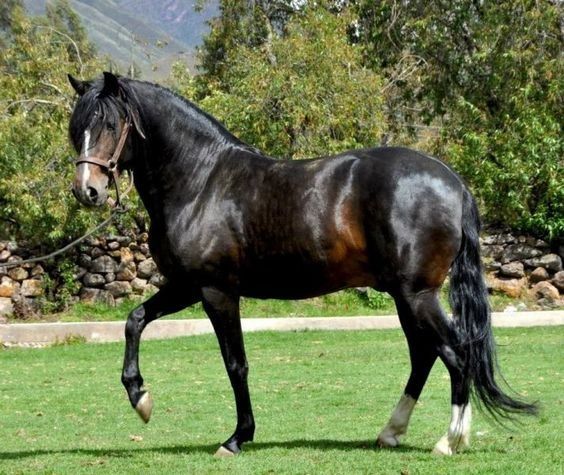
{"points": [[151, 34]]}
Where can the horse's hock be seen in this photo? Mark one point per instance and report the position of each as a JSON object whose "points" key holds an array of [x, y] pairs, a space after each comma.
{"points": [[110, 268]]}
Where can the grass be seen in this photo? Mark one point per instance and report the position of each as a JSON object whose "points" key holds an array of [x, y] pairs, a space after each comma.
{"points": [[319, 398], [343, 303]]}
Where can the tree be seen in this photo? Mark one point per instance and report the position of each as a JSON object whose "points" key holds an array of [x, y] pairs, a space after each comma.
{"points": [[489, 74], [287, 96], [35, 103]]}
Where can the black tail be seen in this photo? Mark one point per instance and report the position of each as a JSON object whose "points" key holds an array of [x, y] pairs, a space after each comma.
{"points": [[469, 302]]}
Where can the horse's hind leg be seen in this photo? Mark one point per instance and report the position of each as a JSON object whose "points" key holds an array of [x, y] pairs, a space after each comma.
{"points": [[167, 300], [428, 313], [223, 311], [422, 355]]}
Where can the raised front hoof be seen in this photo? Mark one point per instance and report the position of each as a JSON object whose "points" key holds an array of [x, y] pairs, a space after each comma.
{"points": [[145, 407], [223, 452]]}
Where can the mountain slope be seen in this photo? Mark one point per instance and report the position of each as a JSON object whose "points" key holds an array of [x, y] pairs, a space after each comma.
{"points": [[149, 34]]}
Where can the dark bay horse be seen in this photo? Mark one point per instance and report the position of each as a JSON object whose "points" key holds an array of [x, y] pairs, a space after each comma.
{"points": [[228, 222]]}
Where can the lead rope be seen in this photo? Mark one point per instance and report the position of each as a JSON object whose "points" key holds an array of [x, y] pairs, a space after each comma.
{"points": [[117, 208]]}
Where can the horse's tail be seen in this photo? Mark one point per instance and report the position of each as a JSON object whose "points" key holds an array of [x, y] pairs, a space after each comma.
{"points": [[469, 302]]}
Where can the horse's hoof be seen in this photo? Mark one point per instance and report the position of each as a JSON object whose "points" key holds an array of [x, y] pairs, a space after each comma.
{"points": [[223, 452], [145, 407], [442, 447], [387, 441]]}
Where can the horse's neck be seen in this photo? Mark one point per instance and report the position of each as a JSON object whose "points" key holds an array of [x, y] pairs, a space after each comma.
{"points": [[181, 150]]}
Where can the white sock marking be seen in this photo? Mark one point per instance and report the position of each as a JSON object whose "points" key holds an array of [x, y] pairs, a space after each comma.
{"points": [[399, 420], [458, 435]]}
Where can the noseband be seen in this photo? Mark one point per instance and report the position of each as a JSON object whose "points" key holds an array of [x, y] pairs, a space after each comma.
{"points": [[111, 165]]}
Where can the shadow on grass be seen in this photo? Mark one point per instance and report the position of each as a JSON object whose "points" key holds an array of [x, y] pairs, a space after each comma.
{"points": [[323, 445]]}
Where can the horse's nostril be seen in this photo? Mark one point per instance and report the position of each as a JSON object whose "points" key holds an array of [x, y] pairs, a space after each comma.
{"points": [[92, 193]]}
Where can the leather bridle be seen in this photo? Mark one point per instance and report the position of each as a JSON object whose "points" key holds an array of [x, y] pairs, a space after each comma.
{"points": [[111, 165]]}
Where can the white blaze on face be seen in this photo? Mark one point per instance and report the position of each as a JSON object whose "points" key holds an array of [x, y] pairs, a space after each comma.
{"points": [[85, 175]]}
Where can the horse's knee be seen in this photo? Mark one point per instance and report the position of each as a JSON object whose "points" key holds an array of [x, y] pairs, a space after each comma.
{"points": [[135, 321]]}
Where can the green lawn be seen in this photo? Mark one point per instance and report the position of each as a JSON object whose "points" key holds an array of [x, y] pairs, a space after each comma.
{"points": [[320, 399]]}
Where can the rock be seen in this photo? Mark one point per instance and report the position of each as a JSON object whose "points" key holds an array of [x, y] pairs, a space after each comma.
{"points": [[499, 239], [110, 277], [93, 280], [513, 269], [97, 252], [79, 273], [139, 256], [32, 288], [539, 243], [84, 260], [538, 275], [144, 248], [551, 262], [113, 246], [103, 264], [545, 290], [90, 295], [158, 280], [4, 255], [511, 287], [12, 246], [18, 273], [146, 268], [127, 271], [518, 252], [138, 285], [495, 251], [123, 240], [558, 281], [93, 241], [37, 271], [491, 265], [143, 237], [126, 255], [6, 307], [118, 288], [115, 254], [8, 287]]}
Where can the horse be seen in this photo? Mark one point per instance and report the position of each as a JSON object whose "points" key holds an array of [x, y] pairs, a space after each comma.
{"points": [[227, 221]]}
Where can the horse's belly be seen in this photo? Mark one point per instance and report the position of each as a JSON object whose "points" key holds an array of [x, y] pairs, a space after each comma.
{"points": [[292, 278]]}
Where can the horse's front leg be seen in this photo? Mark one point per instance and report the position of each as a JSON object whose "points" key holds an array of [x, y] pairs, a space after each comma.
{"points": [[223, 311], [167, 300]]}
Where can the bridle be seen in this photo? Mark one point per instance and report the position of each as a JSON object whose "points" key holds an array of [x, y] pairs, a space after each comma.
{"points": [[111, 165]]}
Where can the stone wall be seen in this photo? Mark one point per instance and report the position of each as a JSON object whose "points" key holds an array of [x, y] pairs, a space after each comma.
{"points": [[110, 268], [523, 266], [106, 269]]}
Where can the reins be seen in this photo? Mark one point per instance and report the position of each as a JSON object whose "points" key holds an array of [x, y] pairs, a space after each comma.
{"points": [[118, 207]]}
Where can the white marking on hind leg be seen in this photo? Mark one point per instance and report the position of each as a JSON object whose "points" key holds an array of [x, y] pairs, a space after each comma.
{"points": [[397, 425], [458, 435]]}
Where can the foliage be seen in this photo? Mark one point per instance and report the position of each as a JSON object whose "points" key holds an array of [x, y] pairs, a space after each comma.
{"points": [[291, 99], [490, 74], [35, 102]]}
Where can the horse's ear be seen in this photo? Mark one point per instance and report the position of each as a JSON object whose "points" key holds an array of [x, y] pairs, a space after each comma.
{"points": [[111, 85], [79, 86]]}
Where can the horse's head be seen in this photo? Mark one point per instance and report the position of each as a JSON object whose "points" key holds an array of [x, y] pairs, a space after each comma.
{"points": [[100, 132]]}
